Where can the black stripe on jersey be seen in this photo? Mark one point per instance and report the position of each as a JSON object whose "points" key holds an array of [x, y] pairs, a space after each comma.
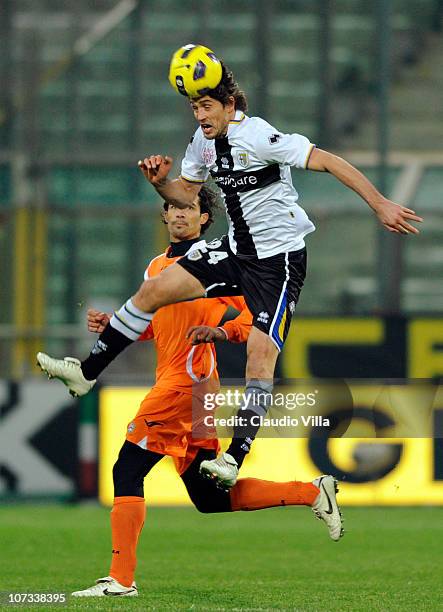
{"points": [[240, 181], [242, 234]]}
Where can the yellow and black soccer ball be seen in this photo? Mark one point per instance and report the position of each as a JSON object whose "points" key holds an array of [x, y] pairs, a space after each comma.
{"points": [[194, 70]]}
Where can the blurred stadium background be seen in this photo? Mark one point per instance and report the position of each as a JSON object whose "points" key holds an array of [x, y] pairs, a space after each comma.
{"points": [[84, 95]]}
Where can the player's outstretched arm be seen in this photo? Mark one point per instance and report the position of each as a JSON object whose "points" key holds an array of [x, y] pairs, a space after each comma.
{"points": [[394, 217], [178, 191]]}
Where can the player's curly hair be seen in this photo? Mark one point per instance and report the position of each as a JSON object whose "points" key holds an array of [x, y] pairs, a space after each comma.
{"points": [[209, 203], [228, 87]]}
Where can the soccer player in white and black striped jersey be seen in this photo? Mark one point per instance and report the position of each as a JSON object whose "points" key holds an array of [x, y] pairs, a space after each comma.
{"points": [[264, 255]]}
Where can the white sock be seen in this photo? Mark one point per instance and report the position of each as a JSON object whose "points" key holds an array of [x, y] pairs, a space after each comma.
{"points": [[130, 320]]}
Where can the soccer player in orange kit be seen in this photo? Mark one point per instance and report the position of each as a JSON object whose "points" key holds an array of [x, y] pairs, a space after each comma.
{"points": [[163, 424]]}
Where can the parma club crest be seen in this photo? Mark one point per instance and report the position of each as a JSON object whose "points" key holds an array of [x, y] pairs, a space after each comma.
{"points": [[243, 159]]}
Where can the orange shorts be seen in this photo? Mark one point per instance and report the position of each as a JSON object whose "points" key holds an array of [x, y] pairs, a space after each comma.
{"points": [[163, 424]]}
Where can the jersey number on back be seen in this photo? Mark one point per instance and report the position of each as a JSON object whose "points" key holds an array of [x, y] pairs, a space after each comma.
{"points": [[215, 256]]}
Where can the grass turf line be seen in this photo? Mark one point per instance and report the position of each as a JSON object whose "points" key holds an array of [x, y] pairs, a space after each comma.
{"points": [[389, 559]]}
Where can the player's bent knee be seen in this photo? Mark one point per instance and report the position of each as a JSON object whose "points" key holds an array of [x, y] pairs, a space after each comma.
{"points": [[204, 494], [202, 506], [211, 505]]}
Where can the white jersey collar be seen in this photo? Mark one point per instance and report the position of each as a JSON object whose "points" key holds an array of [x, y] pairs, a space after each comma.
{"points": [[238, 119]]}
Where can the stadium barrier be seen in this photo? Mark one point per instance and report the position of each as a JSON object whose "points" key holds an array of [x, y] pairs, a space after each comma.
{"points": [[48, 442], [38, 441]]}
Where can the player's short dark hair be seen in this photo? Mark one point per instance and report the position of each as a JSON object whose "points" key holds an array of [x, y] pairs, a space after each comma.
{"points": [[209, 203], [228, 87]]}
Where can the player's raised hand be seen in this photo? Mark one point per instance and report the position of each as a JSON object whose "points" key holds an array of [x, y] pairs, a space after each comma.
{"points": [[395, 218], [97, 321], [201, 334], [156, 168]]}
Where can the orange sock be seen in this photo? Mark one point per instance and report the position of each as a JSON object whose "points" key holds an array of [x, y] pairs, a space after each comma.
{"points": [[127, 520], [254, 494]]}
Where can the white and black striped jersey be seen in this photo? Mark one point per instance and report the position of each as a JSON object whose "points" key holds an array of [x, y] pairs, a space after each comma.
{"points": [[251, 165]]}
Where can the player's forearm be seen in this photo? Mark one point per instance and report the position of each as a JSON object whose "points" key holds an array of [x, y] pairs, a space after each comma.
{"points": [[357, 181], [237, 331], [177, 191], [350, 177], [238, 335]]}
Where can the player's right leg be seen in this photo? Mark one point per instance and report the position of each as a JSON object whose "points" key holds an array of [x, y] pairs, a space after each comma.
{"points": [[127, 520], [262, 355], [174, 284], [271, 288], [255, 494]]}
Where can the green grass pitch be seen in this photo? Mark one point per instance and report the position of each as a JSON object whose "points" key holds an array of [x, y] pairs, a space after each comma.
{"points": [[279, 559]]}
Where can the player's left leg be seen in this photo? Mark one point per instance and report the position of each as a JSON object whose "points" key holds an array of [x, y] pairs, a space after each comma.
{"points": [[129, 509], [255, 494], [127, 520]]}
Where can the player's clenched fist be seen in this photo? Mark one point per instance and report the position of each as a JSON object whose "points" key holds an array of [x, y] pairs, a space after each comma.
{"points": [[202, 333], [97, 321], [156, 168]]}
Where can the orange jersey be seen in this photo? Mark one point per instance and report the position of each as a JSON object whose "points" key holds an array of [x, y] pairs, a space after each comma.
{"points": [[179, 364], [164, 421]]}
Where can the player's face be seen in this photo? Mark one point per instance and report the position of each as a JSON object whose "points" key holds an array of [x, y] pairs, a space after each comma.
{"points": [[212, 116], [185, 223]]}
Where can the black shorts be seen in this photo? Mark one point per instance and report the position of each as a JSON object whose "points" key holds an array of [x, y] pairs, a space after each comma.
{"points": [[270, 286]]}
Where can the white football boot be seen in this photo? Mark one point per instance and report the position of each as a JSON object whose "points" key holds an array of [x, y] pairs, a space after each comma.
{"points": [[325, 506], [67, 370], [223, 469], [108, 587]]}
